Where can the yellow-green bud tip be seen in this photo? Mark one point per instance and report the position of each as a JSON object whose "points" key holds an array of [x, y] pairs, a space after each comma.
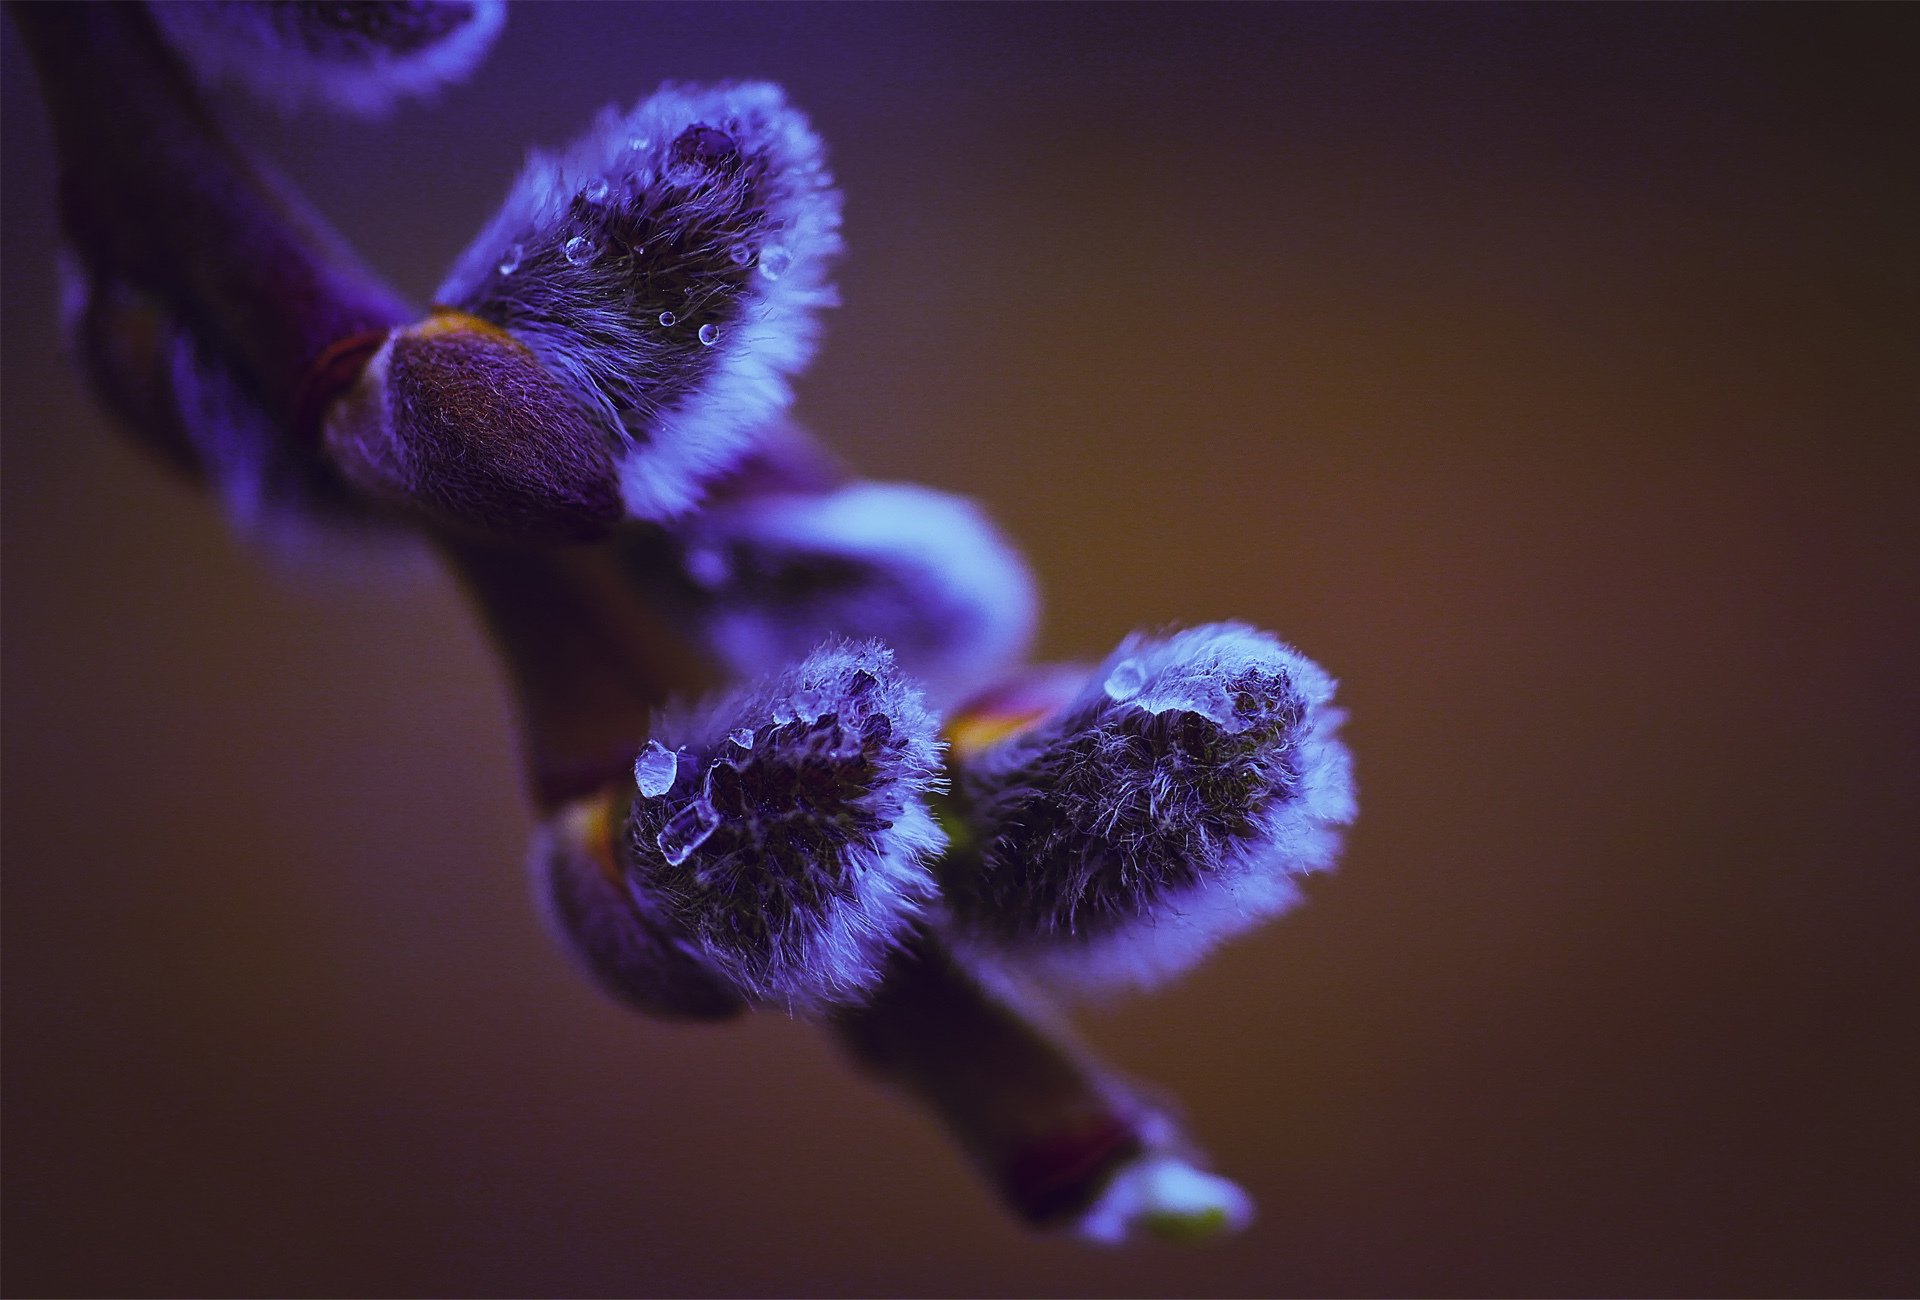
{"points": [[1187, 1228], [1162, 1196]]}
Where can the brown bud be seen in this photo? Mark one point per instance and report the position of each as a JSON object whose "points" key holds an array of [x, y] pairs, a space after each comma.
{"points": [[456, 419], [590, 909]]}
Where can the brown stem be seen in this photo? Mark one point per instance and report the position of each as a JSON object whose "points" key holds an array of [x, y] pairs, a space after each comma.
{"points": [[153, 190], [1045, 1124], [588, 649], [121, 339]]}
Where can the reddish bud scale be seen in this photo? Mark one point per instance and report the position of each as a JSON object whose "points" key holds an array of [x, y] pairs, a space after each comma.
{"points": [[1055, 1180], [334, 372]]}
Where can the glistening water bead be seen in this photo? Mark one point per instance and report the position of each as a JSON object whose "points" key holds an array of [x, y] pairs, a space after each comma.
{"points": [[709, 335], [774, 261], [1126, 679], [510, 260], [654, 770], [596, 190], [667, 319], [578, 250]]}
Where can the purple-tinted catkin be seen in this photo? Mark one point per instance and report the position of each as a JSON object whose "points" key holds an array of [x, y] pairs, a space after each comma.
{"points": [[783, 830], [1169, 805], [667, 268]]}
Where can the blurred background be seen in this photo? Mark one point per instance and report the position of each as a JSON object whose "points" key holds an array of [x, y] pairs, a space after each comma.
{"points": [[1548, 373]]}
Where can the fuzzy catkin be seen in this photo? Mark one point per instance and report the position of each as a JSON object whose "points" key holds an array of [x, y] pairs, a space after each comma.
{"points": [[667, 268], [1169, 805], [784, 831]]}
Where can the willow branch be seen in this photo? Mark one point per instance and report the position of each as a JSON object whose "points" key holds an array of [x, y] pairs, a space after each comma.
{"points": [[155, 197]]}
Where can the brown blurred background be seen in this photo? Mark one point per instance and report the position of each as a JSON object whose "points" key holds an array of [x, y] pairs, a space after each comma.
{"points": [[1547, 373]]}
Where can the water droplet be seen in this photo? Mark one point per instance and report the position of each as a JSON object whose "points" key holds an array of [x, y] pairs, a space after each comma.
{"points": [[740, 254], [807, 705], [654, 770], [667, 319], [510, 260], [686, 831], [579, 250], [596, 190], [774, 261], [1199, 696], [709, 335], [698, 149], [639, 143], [742, 736], [1126, 679]]}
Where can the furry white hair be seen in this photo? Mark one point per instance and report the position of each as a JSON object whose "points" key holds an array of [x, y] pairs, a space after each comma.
{"points": [[667, 267], [1169, 806], [783, 828]]}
